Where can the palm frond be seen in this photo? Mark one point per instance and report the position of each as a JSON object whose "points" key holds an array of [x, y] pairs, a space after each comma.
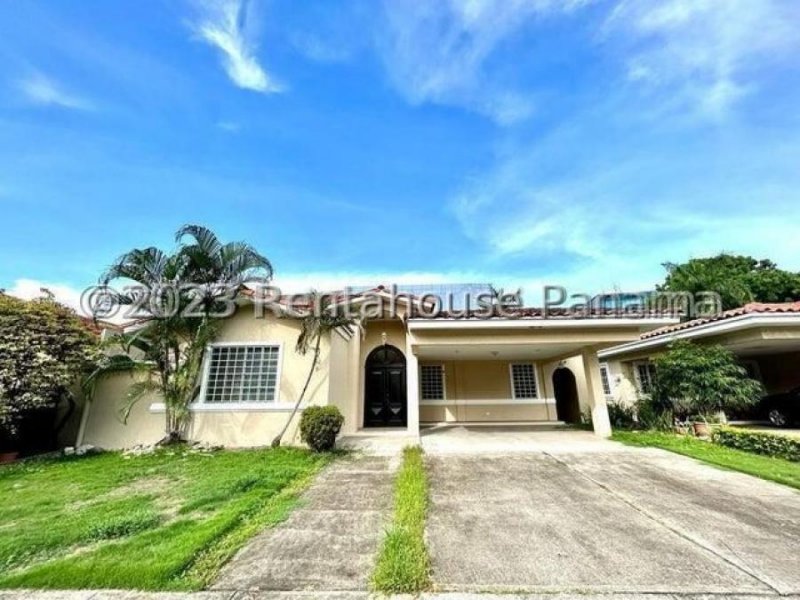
{"points": [[136, 392]]}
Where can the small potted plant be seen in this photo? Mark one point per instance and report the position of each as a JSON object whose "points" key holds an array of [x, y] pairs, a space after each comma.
{"points": [[700, 426]]}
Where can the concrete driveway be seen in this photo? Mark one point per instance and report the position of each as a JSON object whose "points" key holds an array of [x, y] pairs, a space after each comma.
{"points": [[577, 514]]}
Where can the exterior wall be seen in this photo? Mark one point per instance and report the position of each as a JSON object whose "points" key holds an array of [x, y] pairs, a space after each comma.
{"points": [[477, 390], [344, 379], [622, 380], [103, 425], [227, 425]]}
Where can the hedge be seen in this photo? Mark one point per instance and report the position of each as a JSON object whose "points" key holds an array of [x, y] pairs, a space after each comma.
{"points": [[779, 446]]}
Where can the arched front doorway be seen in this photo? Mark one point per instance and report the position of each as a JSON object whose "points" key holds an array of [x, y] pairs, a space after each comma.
{"points": [[566, 391], [385, 388]]}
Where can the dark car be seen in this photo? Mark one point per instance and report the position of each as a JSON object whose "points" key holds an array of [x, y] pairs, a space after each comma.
{"points": [[782, 409]]}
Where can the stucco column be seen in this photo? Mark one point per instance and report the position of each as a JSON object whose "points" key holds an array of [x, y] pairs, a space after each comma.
{"points": [[412, 389], [597, 398]]}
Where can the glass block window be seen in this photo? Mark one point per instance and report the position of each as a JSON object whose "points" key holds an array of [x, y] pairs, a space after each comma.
{"points": [[242, 374], [431, 382], [645, 374], [605, 379], [523, 380]]}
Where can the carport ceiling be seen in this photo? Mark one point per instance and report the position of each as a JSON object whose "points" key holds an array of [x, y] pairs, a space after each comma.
{"points": [[496, 351]]}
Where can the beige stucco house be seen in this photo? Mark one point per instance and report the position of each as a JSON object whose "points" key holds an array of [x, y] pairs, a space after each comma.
{"points": [[764, 337], [393, 373]]}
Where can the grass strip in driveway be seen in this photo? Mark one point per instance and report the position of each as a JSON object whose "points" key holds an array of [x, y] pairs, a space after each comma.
{"points": [[403, 564], [765, 467], [163, 521]]}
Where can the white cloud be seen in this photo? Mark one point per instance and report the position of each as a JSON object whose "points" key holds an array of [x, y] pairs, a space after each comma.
{"points": [[599, 206], [44, 91], [705, 52], [320, 50], [228, 25], [29, 289], [436, 52]]}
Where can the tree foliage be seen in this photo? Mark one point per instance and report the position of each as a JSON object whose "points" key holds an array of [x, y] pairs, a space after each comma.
{"points": [[702, 379], [737, 279], [45, 348], [167, 348]]}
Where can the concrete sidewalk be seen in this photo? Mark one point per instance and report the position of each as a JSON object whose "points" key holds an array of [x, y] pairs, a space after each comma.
{"points": [[330, 541]]}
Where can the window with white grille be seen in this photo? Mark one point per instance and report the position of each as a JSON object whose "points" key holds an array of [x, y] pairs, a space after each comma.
{"points": [[523, 380], [431, 382], [240, 374]]}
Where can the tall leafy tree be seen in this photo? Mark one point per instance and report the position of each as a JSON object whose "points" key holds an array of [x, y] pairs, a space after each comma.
{"points": [[45, 349], [737, 279], [319, 321], [184, 293]]}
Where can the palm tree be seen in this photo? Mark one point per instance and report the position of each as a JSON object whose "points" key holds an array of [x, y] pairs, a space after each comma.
{"points": [[217, 268], [319, 321], [169, 344]]}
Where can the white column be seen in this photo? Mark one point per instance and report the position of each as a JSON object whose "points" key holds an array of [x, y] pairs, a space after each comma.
{"points": [[597, 398], [412, 388]]}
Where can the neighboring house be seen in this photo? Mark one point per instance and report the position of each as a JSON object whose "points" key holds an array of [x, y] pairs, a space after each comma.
{"points": [[388, 375], [764, 337]]}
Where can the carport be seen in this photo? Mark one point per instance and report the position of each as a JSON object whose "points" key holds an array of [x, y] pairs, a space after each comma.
{"points": [[514, 370]]}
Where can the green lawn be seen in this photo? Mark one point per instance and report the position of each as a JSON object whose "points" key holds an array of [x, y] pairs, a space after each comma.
{"points": [[403, 565], [774, 469], [164, 521]]}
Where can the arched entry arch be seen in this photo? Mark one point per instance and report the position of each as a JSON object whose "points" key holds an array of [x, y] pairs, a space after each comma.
{"points": [[565, 389], [385, 402]]}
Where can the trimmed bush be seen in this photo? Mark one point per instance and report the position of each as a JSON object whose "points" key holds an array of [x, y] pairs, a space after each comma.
{"points": [[778, 446], [319, 426]]}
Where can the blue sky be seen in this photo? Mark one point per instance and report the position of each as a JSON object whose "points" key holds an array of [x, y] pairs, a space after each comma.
{"points": [[520, 141]]}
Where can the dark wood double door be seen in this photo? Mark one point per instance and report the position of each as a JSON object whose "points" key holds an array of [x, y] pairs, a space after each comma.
{"points": [[385, 388]]}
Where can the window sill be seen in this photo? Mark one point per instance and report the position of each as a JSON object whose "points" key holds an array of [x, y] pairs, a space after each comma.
{"points": [[159, 407]]}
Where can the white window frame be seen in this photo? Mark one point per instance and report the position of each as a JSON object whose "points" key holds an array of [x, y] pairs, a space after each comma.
{"points": [[638, 379], [200, 405], [535, 378], [609, 379], [444, 383]]}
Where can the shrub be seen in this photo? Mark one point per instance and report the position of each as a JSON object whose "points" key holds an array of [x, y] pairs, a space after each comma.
{"points": [[121, 526], [44, 350], [621, 416], [653, 417], [778, 446], [695, 379], [319, 426]]}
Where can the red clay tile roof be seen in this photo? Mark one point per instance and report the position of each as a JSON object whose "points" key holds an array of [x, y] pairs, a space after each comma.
{"points": [[752, 308]]}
